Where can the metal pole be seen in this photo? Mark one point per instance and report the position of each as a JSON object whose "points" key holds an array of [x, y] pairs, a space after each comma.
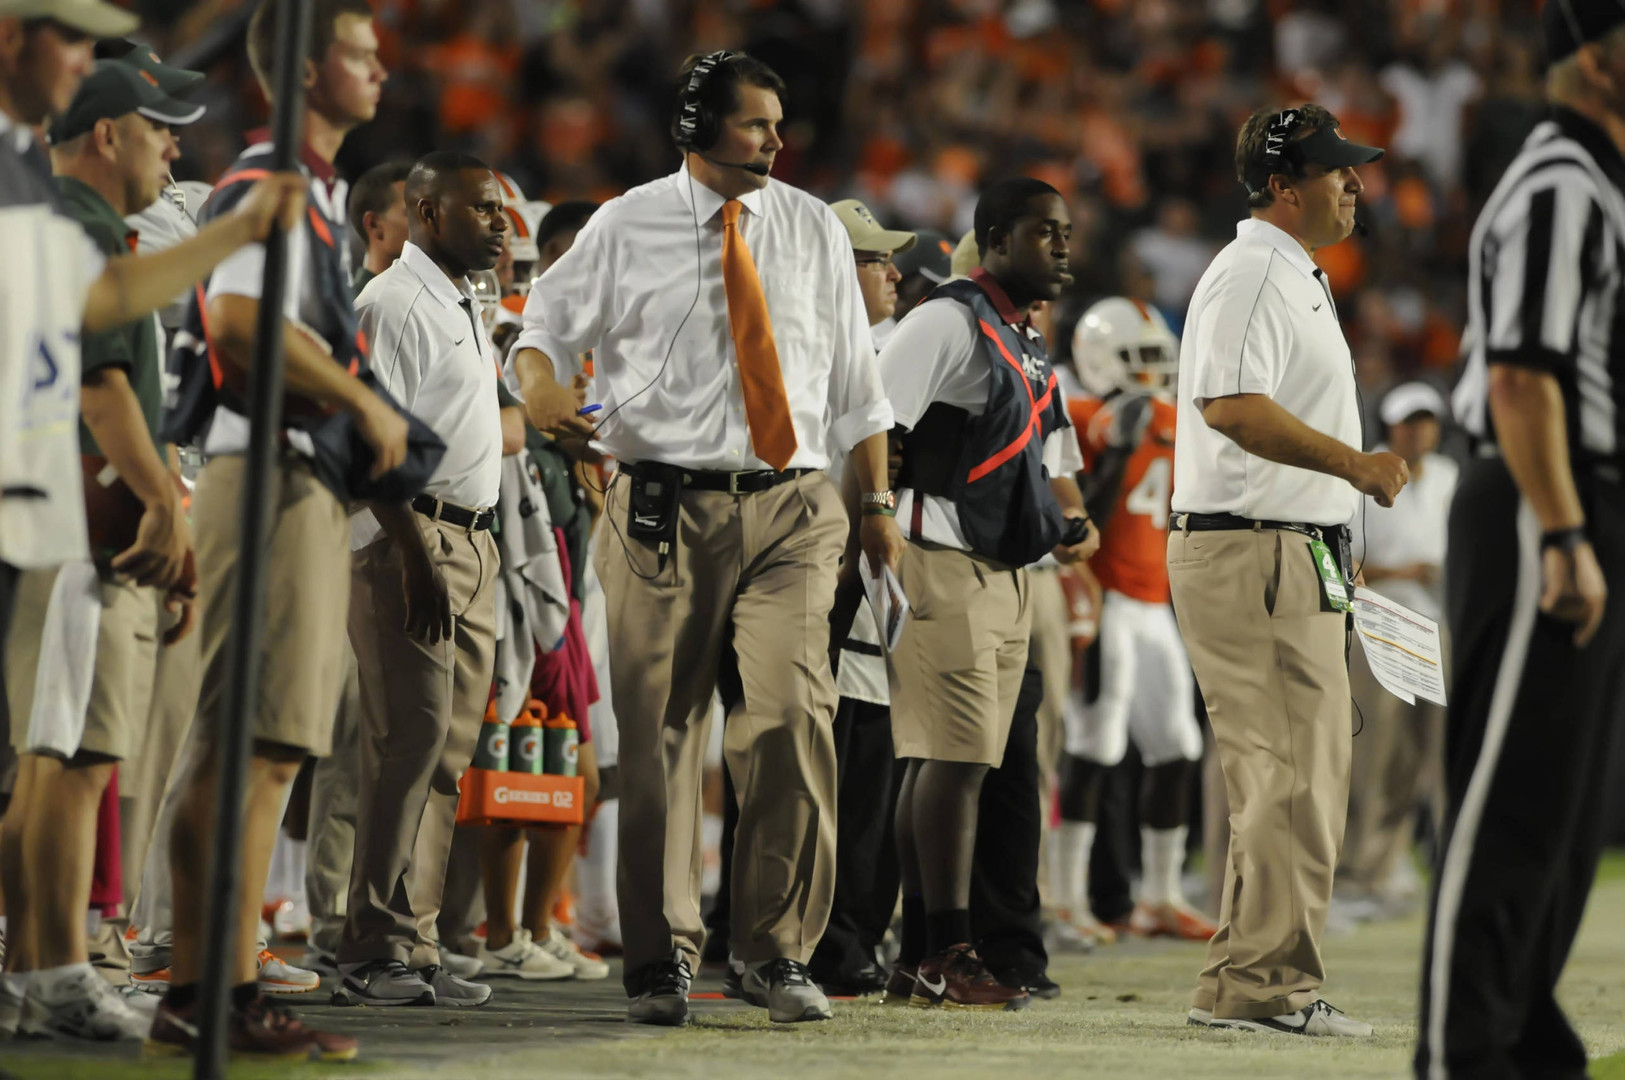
{"points": [[235, 723]]}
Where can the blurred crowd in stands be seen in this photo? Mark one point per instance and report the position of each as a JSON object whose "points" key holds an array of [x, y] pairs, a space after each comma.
{"points": [[1127, 106]]}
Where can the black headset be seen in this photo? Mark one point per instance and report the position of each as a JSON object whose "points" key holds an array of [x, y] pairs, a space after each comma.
{"points": [[694, 124]]}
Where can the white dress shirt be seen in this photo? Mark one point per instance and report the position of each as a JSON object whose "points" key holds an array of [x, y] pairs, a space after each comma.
{"points": [[1262, 321], [642, 287], [933, 356], [430, 350], [1413, 530]]}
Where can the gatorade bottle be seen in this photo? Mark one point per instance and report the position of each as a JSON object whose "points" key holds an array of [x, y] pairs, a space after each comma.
{"points": [[562, 742], [491, 752], [525, 744]]}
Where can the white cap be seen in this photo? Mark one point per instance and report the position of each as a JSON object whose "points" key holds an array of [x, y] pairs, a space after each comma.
{"points": [[1407, 399]]}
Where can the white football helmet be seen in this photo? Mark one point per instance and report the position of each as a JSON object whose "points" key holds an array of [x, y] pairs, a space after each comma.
{"points": [[1121, 344], [523, 219]]}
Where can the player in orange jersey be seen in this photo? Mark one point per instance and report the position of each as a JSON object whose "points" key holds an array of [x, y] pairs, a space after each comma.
{"points": [[1125, 359]]}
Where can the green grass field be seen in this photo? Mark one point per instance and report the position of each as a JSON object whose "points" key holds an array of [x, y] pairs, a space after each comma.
{"points": [[1121, 1016]]}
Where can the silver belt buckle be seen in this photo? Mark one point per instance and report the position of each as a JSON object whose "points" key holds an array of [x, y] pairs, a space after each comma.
{"points": [[733, 484]]}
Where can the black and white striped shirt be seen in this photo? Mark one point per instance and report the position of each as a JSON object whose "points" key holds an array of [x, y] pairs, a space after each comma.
{"points": [[1545, 267]]}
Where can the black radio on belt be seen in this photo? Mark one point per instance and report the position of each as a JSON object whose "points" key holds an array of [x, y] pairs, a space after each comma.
{"points": [[652, 504]]}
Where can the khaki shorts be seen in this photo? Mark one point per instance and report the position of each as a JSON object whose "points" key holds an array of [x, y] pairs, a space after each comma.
{"points": [[957, 668], [307, 600], [125, 664]]}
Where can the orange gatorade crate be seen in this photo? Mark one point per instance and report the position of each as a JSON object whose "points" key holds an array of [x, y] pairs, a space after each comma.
{"points": [[490, 797]]}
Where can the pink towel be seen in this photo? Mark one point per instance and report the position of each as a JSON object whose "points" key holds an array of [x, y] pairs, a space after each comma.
{"points": [[563, 679]]}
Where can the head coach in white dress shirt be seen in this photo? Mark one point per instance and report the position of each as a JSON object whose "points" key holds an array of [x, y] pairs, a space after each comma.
{"points": [[731, 357], [1268, 473]]}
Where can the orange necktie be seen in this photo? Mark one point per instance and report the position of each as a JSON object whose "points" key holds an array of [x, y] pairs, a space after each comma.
{"points": [[767, 409]]}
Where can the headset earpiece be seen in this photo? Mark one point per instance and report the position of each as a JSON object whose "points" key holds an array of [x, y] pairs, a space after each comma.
{"points": [[694, 125]]}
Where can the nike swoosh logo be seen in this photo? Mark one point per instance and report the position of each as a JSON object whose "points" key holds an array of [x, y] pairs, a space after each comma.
{"points": [[937, 988], [459, 341], [1317, 308]]}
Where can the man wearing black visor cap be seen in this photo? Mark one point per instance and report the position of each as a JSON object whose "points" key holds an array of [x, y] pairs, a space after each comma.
{"points": [[1536, 541], [1268, 475]]}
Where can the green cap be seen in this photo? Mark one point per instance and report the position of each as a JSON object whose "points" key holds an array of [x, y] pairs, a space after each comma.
{"points": [[93, 17], [171, 80], [119, 87]]}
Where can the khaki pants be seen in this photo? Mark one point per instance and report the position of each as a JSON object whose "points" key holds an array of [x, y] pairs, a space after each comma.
{"points": [[1271, 667], [421, 709], [763, 566], [1398, 769], [330, 846], [958, 665], [145, 776], [1052, 652], [307, 593], [126, 661]]}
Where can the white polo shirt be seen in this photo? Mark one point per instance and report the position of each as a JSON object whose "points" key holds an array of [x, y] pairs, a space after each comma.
{"points": [[431, 352], [1262, 321]]}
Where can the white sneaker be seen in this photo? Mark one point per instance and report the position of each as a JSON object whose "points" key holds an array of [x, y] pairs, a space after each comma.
{"points": [[1316, 1018], [790, 992], [1199, 1017], [450, 990], [524, 959], [78, 1004], [464, 967], [13, 988], [562, 948], [277, 976]]}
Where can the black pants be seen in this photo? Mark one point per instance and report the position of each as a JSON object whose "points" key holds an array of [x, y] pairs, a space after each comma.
{"points": [[1006, 917], [1530, 726], [866, 871]]}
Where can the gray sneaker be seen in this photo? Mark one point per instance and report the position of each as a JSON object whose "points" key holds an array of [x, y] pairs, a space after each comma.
{"points": [[381, 982], [790, 993], [1199, 1017], [451, 990], [1316, 1018], [664, 997]]}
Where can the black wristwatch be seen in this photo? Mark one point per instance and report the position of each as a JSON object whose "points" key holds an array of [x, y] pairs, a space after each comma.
{"points": [[1566, 539]]}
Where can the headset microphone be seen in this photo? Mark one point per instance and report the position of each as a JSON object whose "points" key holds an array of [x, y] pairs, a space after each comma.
{"points": [[1360, 227], [754, 167]]}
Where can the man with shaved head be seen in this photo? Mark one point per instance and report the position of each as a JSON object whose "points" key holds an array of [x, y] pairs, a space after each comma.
{"points": [[422, 612]]}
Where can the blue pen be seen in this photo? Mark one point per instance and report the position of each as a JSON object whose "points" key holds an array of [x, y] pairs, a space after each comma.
{"points": [[589, 410]]}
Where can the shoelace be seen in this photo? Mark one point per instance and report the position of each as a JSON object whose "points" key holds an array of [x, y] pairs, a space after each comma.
{"points": [[385, 968], [1322, 1006], [788, 972], [671, 977]]}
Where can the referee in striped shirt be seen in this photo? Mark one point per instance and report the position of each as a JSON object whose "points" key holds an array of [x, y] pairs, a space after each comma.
{"points": [[1536, 532]]}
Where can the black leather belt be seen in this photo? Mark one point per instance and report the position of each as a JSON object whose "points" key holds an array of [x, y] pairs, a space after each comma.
{"points": [[734, 483], [460, 516], [1215, 522]]}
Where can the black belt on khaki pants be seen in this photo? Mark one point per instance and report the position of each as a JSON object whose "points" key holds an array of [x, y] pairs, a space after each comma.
{"points": [[1216, 522], [747, 482], [460, 516]]}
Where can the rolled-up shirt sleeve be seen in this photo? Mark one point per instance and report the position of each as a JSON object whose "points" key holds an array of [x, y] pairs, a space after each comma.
{"points": [[857, 398], [565, 311]]}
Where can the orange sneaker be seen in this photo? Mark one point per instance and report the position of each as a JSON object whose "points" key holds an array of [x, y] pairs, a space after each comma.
{"points": [[153, 982], [1175, 920]]}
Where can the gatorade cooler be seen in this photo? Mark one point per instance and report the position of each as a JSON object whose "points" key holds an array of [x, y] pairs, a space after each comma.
{"points": [[491, 752], [561, 742], [525, 752]]}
